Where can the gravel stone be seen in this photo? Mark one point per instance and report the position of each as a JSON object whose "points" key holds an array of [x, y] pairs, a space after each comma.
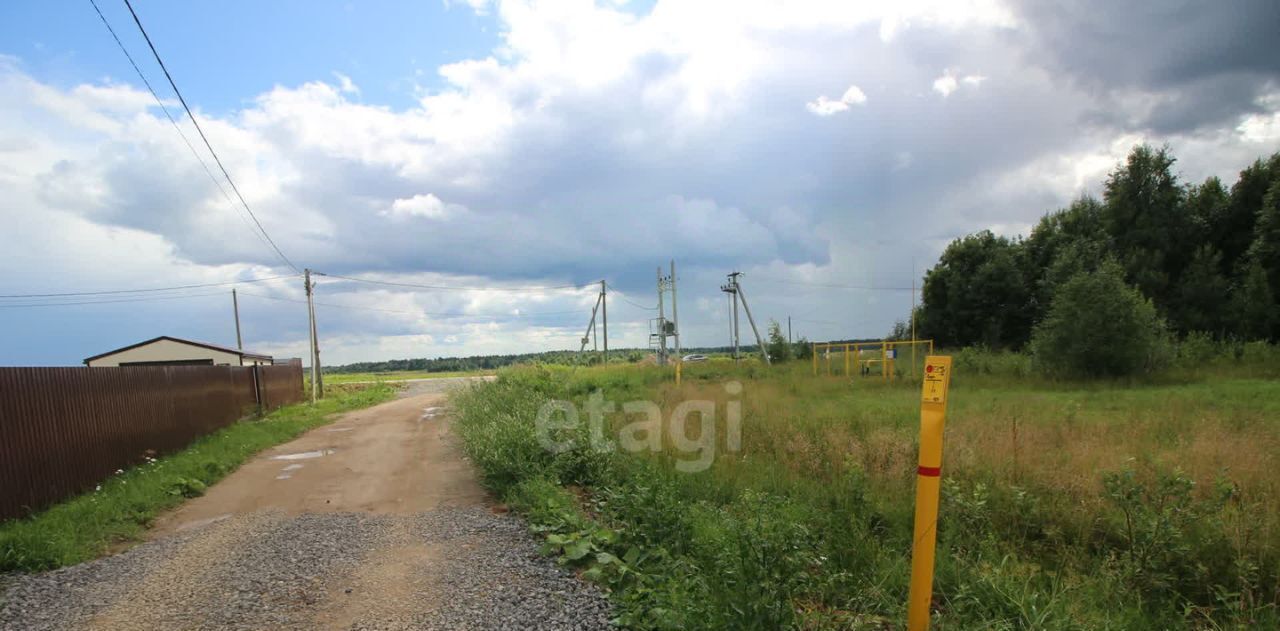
{"points": [[451, 568]]}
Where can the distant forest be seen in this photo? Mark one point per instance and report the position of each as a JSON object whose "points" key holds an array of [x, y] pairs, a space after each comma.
{"points": [[1205, 255], [490, 362]]}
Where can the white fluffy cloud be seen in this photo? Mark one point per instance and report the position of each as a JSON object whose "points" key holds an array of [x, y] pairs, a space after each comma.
{"points": [[824, 106], [950, 82], [427, 206]]}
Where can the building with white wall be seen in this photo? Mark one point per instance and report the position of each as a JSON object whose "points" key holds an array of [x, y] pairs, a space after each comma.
{"points": [[173, 351]]}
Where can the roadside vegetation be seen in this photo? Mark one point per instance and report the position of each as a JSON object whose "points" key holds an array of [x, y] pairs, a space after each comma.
{"points": [[1134, 503], [395, 375], [123, 506]]}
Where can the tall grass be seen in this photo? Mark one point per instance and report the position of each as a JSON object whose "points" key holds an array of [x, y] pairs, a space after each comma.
{"points": [[1134, 504], [122, 507]]}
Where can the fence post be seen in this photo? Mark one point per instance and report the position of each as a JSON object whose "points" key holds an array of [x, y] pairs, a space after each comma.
{"points": [[257, 389]]}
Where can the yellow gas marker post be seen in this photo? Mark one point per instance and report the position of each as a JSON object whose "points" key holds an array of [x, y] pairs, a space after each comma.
{"points": [[679, 363], [933, 413]]}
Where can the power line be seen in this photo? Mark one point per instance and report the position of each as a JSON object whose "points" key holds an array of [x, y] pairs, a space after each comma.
{"points": [[110, 301], [176, 127], [780, 281], [624, 298], [457, 287], [429, 313], [196, 123], [153, 289]]}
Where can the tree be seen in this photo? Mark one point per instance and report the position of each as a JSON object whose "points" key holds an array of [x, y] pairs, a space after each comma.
{"points": [[1202, 302], [1233, 229], [1099, 326], [1075, 234], [778, 346], [977, 294], [1145, 217], [1265, 249], [1253, 305], [802, 349]]}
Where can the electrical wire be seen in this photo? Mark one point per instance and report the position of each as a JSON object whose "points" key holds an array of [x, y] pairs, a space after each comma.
{"points": [[109, 301], [207, 144], [150, 290], [455, 287], [623, 298], [780, 281], [176, 127], [417, 313]]}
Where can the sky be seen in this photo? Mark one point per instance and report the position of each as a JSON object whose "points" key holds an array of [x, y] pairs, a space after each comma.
{"points": [[512, 154]]}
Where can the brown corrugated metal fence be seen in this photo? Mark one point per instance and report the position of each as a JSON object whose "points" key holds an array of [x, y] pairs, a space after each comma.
{"points": [[63, 430]]}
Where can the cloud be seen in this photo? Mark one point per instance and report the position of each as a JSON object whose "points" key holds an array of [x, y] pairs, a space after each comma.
{"points": [[824, 106], [427, 206], [595, 142], [949, 82]]}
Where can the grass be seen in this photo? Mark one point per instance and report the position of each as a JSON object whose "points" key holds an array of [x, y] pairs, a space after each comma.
{"points": [[1135, 504], [122, 507], [395, 375]]}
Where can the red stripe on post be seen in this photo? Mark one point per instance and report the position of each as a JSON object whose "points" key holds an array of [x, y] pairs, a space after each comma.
{"points": [[932, 472]]}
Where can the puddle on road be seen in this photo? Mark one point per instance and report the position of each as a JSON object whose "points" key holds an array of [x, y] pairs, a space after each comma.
{"points": [[429, 413], [306, 455], [287, 472]]}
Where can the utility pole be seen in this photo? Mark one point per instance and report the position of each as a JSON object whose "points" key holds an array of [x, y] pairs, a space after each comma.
{"points": [[235, 305], [789, 330], [731, 288], [604, 318], [592, 332], [675, 318], [662, 323], [759, 342], [315, 342]]}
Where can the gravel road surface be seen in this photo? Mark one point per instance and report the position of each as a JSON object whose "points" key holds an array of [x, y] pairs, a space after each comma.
{"points": [[373, 522]]}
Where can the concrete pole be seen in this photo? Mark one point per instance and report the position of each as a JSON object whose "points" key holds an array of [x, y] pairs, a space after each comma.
{"points": [[759, 342], [311, 327], [604, 320], [674, 314], [736, 353], [662, 325], [235, 305]]}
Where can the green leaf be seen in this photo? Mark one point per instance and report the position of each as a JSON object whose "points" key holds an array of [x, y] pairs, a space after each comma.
{"points": [[577, 549]]}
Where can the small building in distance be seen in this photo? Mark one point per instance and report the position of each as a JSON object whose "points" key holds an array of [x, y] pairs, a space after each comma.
{"points": [[173, 351]]}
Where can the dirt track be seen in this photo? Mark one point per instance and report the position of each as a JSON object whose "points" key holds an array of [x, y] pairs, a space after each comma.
{"points": [[393, 459], [375, 521]]}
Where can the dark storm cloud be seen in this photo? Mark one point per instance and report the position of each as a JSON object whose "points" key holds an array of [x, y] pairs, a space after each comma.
{"points": [[1203, 62]]}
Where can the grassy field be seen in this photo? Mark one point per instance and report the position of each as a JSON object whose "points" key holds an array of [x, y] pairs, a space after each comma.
{"points": [[1148, 504], [396, 375], [122, 507]]}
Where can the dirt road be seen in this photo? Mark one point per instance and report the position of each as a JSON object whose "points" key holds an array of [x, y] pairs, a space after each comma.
{"points": [[375, 521]]}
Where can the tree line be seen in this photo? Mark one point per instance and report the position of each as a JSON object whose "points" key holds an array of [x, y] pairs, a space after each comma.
{"points": [[1159, 255]]}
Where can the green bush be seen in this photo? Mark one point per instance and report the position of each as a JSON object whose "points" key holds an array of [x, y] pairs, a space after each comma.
{"points": [[1099, 326]]}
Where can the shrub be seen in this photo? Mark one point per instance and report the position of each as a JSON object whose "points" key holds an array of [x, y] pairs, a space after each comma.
{"points": [[1098, 326]]}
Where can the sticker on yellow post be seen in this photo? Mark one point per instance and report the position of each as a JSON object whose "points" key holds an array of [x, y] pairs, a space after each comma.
{"points": [[937, 377]]}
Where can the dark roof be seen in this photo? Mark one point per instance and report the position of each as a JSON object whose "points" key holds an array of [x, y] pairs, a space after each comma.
{"points": [[179, 340]]}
